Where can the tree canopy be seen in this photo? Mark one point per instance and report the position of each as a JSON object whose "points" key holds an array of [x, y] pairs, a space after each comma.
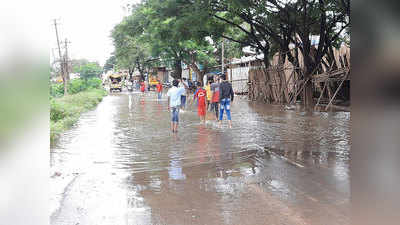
{"points": [[110, 63], [88, 70], [270, 26], [180, 31], [168, 31]]}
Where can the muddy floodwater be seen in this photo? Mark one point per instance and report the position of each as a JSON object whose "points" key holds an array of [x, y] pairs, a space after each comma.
{"points": [[121, 164]]}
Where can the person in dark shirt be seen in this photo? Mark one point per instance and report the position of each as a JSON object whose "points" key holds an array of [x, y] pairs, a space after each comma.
{"points": [[225, 98]]}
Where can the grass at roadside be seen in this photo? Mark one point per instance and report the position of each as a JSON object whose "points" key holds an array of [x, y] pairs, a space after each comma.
{"points": [[65, 111]]}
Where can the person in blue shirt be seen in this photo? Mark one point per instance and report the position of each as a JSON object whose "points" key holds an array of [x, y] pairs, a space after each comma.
{"points": [[174, 102]]}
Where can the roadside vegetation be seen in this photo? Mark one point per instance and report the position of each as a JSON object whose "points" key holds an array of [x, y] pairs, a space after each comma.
{"points": [[84, 94]]}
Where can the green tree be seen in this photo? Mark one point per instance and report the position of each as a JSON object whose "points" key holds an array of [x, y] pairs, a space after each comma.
{"points": [[182, 30], [271, 25], [132, 49], [171, 33], [109, 64], [88, 70], [76, 63]]}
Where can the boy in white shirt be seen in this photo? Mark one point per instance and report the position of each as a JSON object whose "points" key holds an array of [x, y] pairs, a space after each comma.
{"points": [[174, 102]]}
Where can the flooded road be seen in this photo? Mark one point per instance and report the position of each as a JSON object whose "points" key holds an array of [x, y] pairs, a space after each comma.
{"points": [[121, 164]]}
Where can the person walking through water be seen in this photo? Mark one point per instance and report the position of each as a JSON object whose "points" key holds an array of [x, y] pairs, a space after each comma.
{"points": [[185, 85], [142, 87], [208, 90], [146, 86], [215, 96], [159, 88], [225, 99], [201, 96], [174, 102]]}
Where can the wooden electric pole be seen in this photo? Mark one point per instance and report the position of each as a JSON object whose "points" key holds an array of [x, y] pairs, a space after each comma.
{"points": [[58, 40], [66, 60], [62, 63]]}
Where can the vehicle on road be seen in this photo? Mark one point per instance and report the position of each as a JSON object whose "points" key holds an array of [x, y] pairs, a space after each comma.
{"points": [[116, 82], [153, 82]]}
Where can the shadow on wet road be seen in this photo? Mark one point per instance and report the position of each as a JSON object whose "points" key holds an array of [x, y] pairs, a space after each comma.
{"points": [[121, 164]]}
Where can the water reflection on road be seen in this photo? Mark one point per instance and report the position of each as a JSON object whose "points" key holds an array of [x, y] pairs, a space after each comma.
{"points": [[121, 164]]}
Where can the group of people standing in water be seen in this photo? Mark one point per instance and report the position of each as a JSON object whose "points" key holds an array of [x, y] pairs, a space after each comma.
{"points": [[217, 96]]}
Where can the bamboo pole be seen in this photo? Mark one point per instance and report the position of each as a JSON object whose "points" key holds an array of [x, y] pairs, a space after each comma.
{"points": [[337, 91], [320, 96]]}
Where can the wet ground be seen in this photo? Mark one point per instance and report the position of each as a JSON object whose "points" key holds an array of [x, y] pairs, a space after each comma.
{"points": [[121, 164]]}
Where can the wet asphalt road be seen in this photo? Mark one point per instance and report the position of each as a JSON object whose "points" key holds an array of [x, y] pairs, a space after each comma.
{"points": [[120, 164]]}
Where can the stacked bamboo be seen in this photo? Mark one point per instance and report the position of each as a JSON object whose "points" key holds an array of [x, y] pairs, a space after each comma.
{"points": [[282, 82]]}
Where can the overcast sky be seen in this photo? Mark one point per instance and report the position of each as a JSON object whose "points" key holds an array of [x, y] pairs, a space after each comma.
{"points": [[87, 24]]}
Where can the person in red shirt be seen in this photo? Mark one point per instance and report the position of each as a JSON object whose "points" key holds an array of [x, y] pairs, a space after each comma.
{"points": [[201, 95], [159, 88], [142, 87]]}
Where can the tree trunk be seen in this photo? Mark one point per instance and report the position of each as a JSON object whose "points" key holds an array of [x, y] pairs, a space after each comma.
{"points": [[141, 70], [309, 70], [270, 93], [308, 95], [141, 73], [283, 92], [308, 89], [178, 69], [131, 70]]}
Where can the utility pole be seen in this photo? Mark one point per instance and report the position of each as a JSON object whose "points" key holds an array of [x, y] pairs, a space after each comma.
{"points": [[66, 60], [223, 66], [58, 40], [62, 65]]}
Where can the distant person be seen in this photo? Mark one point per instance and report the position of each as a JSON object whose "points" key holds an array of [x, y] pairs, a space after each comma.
{"points": [[225, 98], [174, 103], [185, 85], [190, 85], [201, 96], [142, 87], [208, 90], [215, 97], [159, 88], [146, 85], [137, 84]]}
